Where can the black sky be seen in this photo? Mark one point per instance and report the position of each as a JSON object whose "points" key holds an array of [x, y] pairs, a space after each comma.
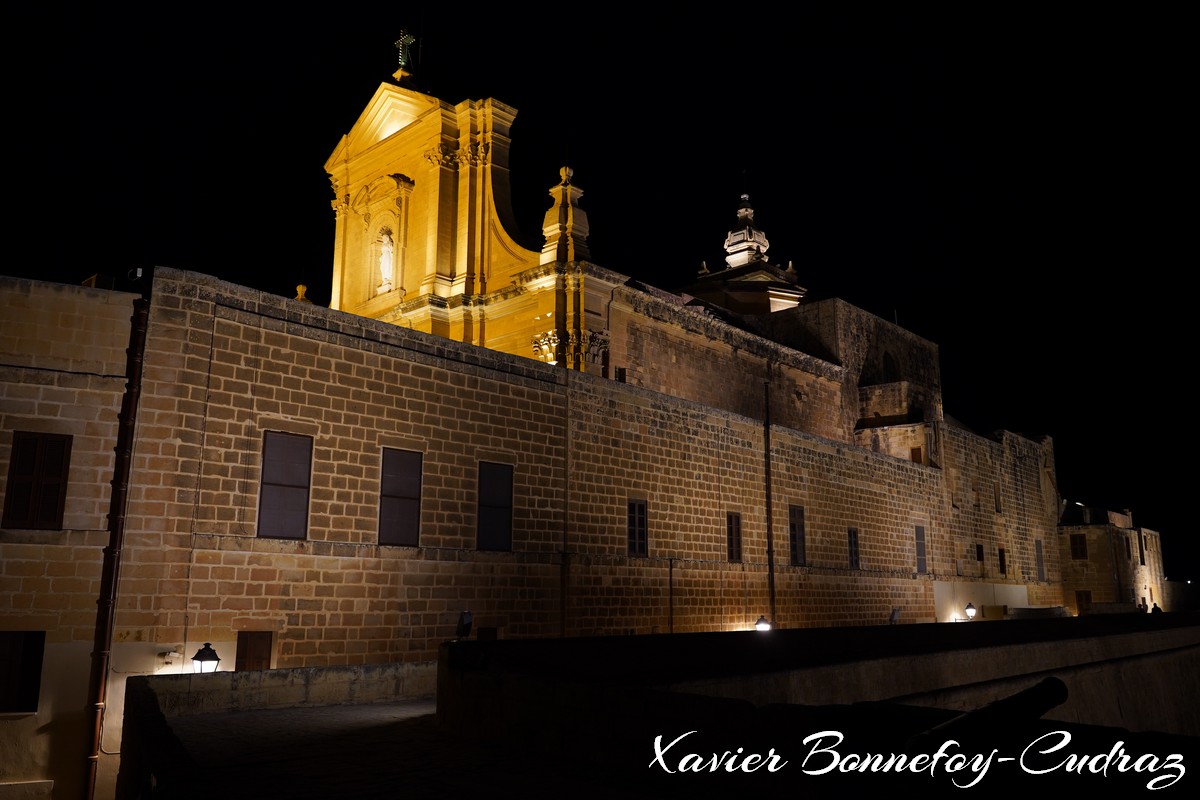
{"points": [[1013, 186]]}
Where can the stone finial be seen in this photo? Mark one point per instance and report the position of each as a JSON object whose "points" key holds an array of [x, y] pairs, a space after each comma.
{"points": [[566, 224], [300, 290]]}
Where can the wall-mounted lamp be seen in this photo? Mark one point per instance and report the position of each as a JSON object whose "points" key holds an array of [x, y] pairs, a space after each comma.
{"points": [[171, 656], [763, 624], [206, 659], [970, 609]]}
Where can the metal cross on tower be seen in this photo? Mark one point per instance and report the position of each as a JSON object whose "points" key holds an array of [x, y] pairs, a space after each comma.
{"points": [[402, 46]]}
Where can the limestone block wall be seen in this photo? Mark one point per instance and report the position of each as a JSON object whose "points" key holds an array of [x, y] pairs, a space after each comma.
{"points": [[914, 442], [1149, 575], [62, 371], [658, 344], [253, 363], [1096, 571], [692, 465], [225, 365], [871, 350], [1002, 496], [888, 401], [65, 328], [1115, 564]]}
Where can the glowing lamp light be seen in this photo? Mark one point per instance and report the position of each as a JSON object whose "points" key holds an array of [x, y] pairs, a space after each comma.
{"points": [[206, 659], [763, 624], [970, 609]]}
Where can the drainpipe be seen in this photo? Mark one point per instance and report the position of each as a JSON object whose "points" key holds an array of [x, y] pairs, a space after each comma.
{"points": [[110, 572]]}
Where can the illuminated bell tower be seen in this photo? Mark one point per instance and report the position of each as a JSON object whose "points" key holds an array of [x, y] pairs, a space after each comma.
{"points": [[422, 239], [422, 210], [749, 283]]}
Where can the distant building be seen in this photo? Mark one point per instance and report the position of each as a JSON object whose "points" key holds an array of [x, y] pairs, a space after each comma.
{"points": [[1108, 563], [473, 426]]}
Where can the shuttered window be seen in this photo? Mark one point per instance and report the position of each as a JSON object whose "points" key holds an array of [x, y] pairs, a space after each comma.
{"points": [[796, 535], [286, 475], [36, 492], [733, 535], [638, 528], [495, 506], [920, 540], [400, 498]]}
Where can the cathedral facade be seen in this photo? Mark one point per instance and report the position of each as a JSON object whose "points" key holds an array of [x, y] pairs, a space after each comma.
{"points": [[473, 428]]}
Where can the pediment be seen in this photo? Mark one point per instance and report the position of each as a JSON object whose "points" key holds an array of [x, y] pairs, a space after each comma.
{"points": [[392, 109], [758, 271], [759, 275]]}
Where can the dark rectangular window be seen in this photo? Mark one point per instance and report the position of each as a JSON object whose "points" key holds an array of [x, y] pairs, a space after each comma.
{"points": [[1128, 550], [638, 545], [996, 492], [920, 537], [796, 535], [852, 546], [1141, 549], [286, 473], [400, 498], [1079, 546], [36, 492], [1041, 561], [21, 670], [733, 535], [979, 552], [1003, 562], [495, 506]]}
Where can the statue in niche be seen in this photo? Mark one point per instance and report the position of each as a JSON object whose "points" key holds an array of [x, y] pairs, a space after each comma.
{"points": [[387, 256]]}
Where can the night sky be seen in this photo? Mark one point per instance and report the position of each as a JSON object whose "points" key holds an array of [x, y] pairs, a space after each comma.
{"points": [[1009, 186]]}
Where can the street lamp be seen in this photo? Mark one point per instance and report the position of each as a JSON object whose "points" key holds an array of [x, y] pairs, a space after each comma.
{"points": [[206, 659], [763, 624], [970, 609]]}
